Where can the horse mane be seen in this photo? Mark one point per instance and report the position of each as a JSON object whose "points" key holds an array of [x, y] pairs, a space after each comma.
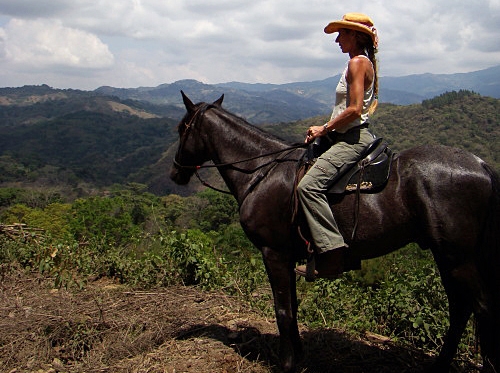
{"points": [[251, 127]]}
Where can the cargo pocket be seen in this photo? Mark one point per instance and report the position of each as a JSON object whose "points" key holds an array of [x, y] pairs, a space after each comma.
{"points": [[325, 170]]}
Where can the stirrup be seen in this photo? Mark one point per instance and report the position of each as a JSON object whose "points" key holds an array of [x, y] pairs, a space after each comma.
{"points": [[311, 268]]}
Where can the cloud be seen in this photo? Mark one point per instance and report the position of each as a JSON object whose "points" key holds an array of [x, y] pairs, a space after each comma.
{"points": [[45, 44], [149, 42], [33, 9]]}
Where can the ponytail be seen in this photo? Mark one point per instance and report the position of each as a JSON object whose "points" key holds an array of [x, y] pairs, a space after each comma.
{"points": [[371, 55], [366, 43]]}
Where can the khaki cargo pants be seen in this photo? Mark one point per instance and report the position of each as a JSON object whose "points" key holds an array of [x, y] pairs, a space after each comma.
{"points": [[313, 186]]}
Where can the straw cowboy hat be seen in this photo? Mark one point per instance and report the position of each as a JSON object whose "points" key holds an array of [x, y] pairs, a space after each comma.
{"points": [[354, 21]]}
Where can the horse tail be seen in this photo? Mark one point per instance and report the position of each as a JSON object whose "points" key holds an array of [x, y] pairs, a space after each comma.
{"points": [[488, 323]]}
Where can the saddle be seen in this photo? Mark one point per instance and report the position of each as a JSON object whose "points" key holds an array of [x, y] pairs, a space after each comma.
{"points": [[369, 173]]}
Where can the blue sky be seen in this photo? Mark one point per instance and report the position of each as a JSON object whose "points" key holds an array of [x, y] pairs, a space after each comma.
{"points": [[84, 44]]}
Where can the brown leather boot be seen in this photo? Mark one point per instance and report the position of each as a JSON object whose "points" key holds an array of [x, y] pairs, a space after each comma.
{"points": [[329, 264]]}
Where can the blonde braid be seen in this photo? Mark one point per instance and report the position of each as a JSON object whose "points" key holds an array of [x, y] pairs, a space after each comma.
{"points": [[365, 41], [373, 58]]}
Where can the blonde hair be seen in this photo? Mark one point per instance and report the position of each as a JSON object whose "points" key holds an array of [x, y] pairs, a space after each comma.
{"points": [[365, 42]]}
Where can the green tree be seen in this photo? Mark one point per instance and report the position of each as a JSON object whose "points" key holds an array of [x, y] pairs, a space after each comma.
{"points": [[220, 211], [174, 207], [53, 219], [107, 219]]}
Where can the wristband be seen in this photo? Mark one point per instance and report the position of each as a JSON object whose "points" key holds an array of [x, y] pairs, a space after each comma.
{"points": [[325, 126]]}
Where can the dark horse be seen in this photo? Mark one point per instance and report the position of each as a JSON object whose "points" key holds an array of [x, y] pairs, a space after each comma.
{"points": [[444, 199]]}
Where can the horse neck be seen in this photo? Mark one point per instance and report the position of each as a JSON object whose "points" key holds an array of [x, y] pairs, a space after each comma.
{"points": [[231, 139]]}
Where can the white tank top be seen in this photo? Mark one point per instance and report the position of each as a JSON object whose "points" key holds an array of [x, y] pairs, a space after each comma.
{"points": [[342, 101]]}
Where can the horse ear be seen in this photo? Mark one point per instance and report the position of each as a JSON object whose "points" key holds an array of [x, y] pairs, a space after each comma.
{"points": [[219, 101], [190, 107]]}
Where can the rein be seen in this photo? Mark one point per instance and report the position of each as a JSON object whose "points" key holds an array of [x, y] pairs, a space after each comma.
{"points": [[227, 164], [198, 114]]}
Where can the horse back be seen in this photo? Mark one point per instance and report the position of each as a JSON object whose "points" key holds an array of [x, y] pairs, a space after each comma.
{"points": [[435, 196]]}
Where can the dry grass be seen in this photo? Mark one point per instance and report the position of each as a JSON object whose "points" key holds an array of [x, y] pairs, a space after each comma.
{"points": [[111, 328]]}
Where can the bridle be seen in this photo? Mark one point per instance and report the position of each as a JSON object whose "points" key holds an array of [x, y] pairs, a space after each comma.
{"points": [[197, 115]]}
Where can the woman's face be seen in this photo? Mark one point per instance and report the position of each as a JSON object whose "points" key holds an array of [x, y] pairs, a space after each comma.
{"points": [[346, 40]]}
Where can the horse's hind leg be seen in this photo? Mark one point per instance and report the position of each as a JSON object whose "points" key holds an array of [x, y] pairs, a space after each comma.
{"points": [[460, 309], [489, 339], [481, 301], [487, 313], [460, 312], [488, 326]]}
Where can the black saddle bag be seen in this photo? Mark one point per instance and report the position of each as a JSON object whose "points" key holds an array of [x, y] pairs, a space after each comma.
{"points": [[368, 174]]}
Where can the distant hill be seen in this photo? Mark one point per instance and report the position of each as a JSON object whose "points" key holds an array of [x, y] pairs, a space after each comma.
{"points": [[84, 141], [274, 103], [461, 119], [43, 102], [485, 82]]}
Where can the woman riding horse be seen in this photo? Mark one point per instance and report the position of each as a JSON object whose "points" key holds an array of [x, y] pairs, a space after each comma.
{"points": [[355, 98]]}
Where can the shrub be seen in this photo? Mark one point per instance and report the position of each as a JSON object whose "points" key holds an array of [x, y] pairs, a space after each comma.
{"points": [[107, 219], [399, 295]]}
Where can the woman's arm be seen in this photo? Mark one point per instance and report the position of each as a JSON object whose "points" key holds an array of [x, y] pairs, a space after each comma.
{"points": [[359, 76]]}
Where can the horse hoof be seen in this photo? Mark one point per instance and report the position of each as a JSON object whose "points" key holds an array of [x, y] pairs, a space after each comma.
{"points": [[437, 367], [288, 366]]}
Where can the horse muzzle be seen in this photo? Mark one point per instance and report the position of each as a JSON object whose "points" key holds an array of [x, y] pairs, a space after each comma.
{"points": [[181, 176]]}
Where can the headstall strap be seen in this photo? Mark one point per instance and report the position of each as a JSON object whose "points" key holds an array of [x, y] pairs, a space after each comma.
{"points": [[187, 128]]}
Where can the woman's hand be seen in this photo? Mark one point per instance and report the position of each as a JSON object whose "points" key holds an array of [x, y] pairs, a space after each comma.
{"points": [[314, 132]]}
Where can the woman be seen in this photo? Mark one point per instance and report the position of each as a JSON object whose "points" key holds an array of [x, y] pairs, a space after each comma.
{"points": [[355, 100]]}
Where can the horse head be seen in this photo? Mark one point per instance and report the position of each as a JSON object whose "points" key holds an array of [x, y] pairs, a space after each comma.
{"points": [[191, 151]]}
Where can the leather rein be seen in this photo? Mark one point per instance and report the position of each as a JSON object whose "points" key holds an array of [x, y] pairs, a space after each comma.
{"points": [[198, 113]]}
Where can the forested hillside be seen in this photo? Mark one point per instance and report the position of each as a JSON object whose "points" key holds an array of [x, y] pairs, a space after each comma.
{"points": [[461, 119], [78, 141], [82, 142]]}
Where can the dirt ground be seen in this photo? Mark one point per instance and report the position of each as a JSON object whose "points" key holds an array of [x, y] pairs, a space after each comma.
{"points": [[110, 328]]}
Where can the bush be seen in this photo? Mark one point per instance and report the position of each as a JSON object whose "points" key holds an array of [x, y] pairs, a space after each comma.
{"points": [[106, 219], [399, 295], [53, 219], [124, 237]]}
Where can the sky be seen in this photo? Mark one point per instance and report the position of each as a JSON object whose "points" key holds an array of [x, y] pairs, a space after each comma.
{"points": [[85, 44]]}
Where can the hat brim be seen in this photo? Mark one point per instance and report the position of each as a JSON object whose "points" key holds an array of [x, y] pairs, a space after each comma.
{"points": [[337, 25]]}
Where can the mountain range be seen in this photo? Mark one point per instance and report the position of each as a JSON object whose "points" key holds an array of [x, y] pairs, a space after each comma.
{"points": [[89, 140], [275, 103], [260, 103]]}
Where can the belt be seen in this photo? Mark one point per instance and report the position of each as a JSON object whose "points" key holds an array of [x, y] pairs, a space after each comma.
{"points": [[336, 136]]}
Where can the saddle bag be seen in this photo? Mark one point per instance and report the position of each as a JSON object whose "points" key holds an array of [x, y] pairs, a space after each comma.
{"points": [[368, 174]]}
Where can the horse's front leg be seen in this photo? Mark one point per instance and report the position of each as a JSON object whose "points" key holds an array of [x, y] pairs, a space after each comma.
{"points": [[279, 267]]}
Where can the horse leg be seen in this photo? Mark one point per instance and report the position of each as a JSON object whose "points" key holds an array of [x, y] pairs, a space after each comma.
{"points": [[279, 269], [488, 328], [460, 310], [478, 299], [489, 338]]}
